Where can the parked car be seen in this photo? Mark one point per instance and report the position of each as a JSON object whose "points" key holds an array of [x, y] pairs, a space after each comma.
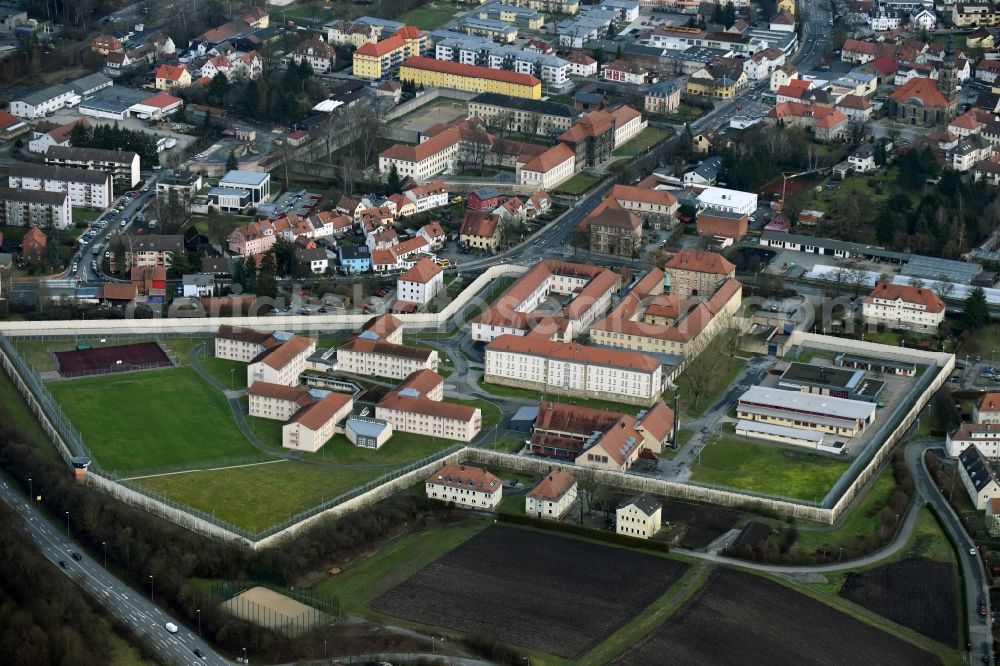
{"points": [[64, 564], [76, 556]]}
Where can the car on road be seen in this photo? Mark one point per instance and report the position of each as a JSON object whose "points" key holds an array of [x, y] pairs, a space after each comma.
{"points": [[64, 564], [123, 223], [76, 556], [171, 627], [774, 307], [973, 551], [198, 653], [982, 608]]}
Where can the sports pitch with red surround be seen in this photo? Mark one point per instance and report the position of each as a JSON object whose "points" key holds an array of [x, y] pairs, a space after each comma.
{"points": [[106, 360]]}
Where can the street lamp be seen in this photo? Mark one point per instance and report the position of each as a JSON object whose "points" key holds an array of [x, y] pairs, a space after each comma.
{"points": [[198, 610], [151, 588], [245, 656], [67, 523], [105, 544], [31, 491], [232, 382]]}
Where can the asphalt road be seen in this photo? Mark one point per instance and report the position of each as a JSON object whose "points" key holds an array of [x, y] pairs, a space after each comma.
{"points": [[133, 608], [973, 572]]}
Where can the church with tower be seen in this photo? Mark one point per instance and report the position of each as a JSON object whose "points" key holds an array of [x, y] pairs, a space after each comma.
{"points": [[927, 102]]}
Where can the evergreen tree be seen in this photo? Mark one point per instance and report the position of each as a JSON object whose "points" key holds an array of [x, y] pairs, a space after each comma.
{"points": [[728, 15], [392, 181], [267, 284], [231, 163], [977, 312], [218, 89], [52, 248]]}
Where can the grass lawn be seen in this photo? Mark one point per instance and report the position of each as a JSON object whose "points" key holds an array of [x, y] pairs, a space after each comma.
{"points": [[862, 520], [150, 419], [258, 496], [685, 113], [508, 444], [82, 215], [432, 15], [640, 143], [222, 369], [366, 580], [200, 222], [578, 184], [183, 346], [727, 373], [16, 412], [528, 394], [767, 469]]}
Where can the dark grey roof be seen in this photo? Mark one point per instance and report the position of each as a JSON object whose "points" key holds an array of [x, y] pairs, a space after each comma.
{"points": [[753, 534], [32, 196], [48, 172], [831, 377], [314, 254], [89, 82], [644, 502], [589, 98], [71, 154], [180, 178], [977, 468], [41, 95], [354, 252], [528, 105]]}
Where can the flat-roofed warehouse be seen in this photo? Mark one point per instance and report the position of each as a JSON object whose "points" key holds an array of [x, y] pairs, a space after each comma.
{"points": [[793, 409], [837, 382]]}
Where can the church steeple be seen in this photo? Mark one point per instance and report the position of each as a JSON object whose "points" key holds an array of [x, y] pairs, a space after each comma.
{"points": [[947, 81]]}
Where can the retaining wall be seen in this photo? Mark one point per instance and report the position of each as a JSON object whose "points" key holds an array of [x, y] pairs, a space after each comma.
{"points": [[314, 322]]}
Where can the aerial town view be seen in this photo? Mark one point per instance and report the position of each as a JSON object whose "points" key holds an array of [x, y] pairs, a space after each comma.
{"points": [[499, 332]]}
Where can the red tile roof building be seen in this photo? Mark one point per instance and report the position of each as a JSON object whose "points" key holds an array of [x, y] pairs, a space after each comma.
{"points": [[463, 485], [416, 406], [571, 369], [376, 351], [903, 306], [515, 311], [920, 102]]}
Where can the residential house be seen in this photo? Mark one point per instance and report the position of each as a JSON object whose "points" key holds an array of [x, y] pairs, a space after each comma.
{"points": [[41, 141], [639, 516], [481, 230], [903, 306], [169, 77], [321, 56], [548, 170], [764, 63], [464, 485], [421, 283], [664, 97], [91, 189], [627, 71], [826, 124], [354, 258], [552, 497], [706, 172], [978, 477]]}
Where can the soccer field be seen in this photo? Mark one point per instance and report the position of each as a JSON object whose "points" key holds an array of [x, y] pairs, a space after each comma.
{"points": [[150, 419]]}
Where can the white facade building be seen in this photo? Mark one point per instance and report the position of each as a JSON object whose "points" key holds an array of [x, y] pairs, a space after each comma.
{"points": [[730, 201], [465, 486], [40, 103], [552, 497], [92, 189], [283, 363], [903, 306], [639, 517], [421, 283]]}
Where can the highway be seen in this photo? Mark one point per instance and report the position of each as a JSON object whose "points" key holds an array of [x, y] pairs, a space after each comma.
{"points": [[133, 608]]}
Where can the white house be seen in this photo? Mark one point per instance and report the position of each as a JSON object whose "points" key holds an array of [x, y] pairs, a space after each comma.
{"points": [[983, 436], [978, 477], [317, 259], [782, 76], [552, 497], [124, 165], [883, 19], [903, 306], [35, 208], [862, 160], [428, 196], [421, 283], [198, 285], [466, 486], [923, 19], [638, 516], [763, 63]]}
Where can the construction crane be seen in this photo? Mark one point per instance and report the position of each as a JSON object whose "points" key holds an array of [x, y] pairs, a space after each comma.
{"points": [[784, 183]]}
